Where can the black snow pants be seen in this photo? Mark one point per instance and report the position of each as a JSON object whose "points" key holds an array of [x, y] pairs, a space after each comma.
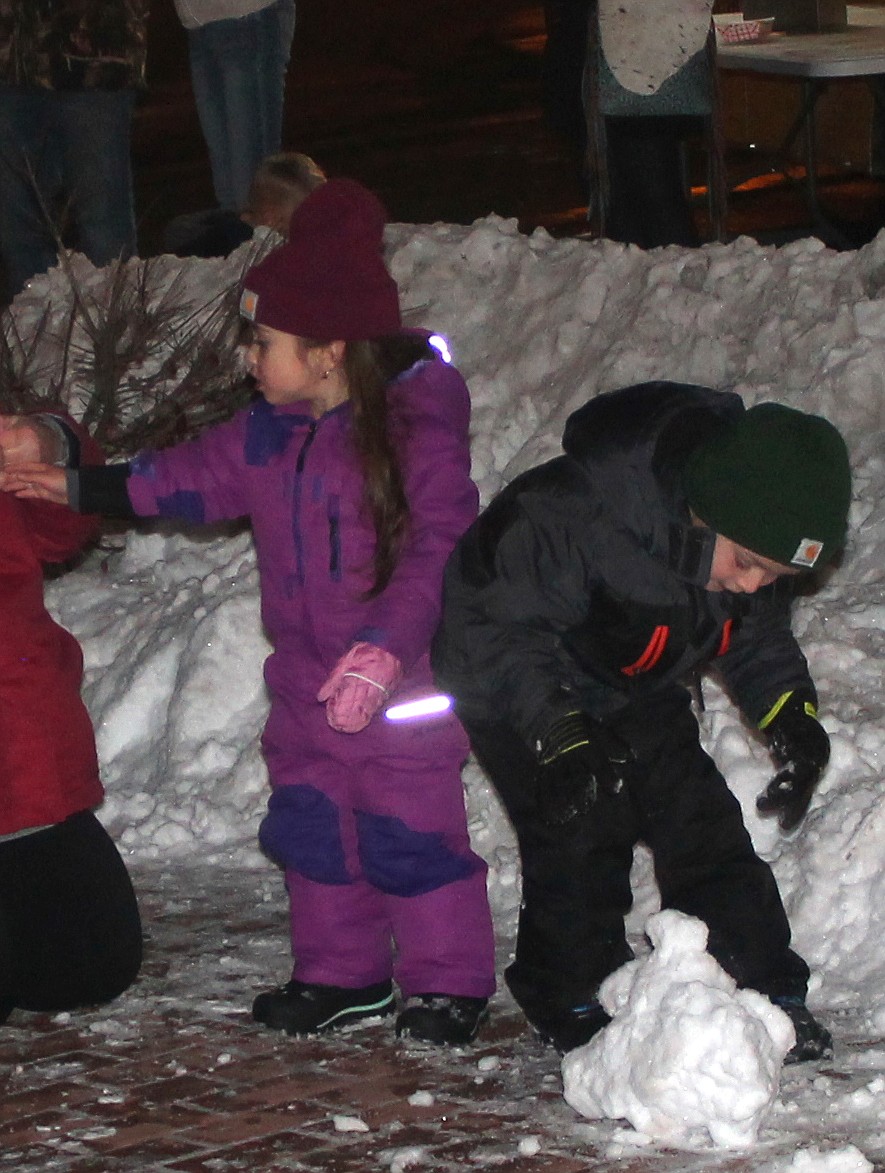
{"points": [[70, 932], [576, 879]]}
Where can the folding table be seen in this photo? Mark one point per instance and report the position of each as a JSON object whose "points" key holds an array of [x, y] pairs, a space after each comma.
{"points": [[815, 59]]}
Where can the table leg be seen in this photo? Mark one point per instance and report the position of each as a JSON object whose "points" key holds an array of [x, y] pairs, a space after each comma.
{"points": [[811, 91], [805, 123]]}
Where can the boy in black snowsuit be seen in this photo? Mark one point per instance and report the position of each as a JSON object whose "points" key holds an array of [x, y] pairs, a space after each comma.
{"points": [[577, 608]]}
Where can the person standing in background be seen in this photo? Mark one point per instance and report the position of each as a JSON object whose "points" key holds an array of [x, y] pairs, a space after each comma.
{"points": [[69, 72], [562, 75], [239, 53], [650, 87]]}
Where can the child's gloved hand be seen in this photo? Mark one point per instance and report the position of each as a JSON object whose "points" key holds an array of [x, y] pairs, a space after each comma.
{"points": [[358, 686], [578, 758], [800, 746]]}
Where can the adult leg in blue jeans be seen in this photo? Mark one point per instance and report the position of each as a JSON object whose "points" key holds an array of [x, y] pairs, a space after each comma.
{"points": [[71, 142], [94, 128], [238, 72], [29, 163]]}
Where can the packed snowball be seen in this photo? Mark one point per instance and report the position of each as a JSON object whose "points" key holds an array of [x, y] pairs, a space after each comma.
{"points": [[687, 1058]]}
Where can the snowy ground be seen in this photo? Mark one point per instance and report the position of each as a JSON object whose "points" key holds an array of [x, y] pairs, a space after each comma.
{"points": [[175, 1076], [170, 630]]}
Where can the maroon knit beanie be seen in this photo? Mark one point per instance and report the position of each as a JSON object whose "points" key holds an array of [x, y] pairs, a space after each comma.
{"points": [[329, 280]]}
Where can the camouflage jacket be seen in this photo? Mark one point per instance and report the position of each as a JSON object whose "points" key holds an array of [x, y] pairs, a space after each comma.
{"points": [[73, 44]]}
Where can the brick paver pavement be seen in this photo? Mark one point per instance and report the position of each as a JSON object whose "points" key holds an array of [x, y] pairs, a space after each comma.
{"points": [[175, 1076]]}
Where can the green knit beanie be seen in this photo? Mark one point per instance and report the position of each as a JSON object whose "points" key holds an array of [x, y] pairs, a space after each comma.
{"points": [[777, 482]]}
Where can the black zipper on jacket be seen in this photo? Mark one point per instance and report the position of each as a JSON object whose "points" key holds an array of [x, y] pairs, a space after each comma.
{"points": [[297, 536], [333, 513]]}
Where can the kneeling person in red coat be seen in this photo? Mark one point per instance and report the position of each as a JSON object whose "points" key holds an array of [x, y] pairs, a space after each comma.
{"points": [[70, 933]]}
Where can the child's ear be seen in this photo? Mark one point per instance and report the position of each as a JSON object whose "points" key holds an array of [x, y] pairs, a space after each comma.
{"points": [[326, 358], [335, 353]]}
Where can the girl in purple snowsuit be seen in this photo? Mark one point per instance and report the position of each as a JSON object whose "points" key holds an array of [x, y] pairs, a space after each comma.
{"points": [[353, 468]]}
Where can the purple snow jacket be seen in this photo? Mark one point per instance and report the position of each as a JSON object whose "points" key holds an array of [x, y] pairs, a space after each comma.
{"points": [[297, 478]]}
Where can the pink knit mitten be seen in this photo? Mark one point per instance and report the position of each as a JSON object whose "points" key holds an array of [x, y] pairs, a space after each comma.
{"points": [[358, 686]]}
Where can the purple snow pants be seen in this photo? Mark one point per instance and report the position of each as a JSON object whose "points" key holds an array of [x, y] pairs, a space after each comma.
{"points": [[372, 832]]}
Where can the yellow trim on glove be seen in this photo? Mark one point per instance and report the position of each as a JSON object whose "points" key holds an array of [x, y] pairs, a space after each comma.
{"points": [[809, 708]]}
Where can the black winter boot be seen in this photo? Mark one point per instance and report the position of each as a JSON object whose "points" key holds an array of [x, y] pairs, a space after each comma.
{"points": [[442, 1018], [813, 1041], [568, 1029], [305, 1008]]}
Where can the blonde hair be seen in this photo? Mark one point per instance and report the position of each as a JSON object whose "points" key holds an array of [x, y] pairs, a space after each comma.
{"points": [[293, 170], [281, 182]]}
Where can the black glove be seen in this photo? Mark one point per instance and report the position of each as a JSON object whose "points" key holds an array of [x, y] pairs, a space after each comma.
{"points": [[800, 746], [578, 757]]}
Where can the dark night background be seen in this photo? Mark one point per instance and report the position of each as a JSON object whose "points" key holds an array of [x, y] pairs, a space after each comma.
{"points": [[437, 106]]}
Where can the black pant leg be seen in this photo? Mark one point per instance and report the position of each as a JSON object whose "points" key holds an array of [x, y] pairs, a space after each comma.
{"points": [[705, 862], [575, 883], [7, 973], [562, 68], [69, 916], [648, 203]]}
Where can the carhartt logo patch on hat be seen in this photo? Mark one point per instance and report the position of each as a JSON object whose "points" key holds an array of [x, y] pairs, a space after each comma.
{"points": [[807, 552], [249, 304]]}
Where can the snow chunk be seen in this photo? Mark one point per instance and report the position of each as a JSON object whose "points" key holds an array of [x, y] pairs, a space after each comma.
{"points": [[407, 1158], [844, 1160], [421, 1099], [349, 1124], [688, 1058]]}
